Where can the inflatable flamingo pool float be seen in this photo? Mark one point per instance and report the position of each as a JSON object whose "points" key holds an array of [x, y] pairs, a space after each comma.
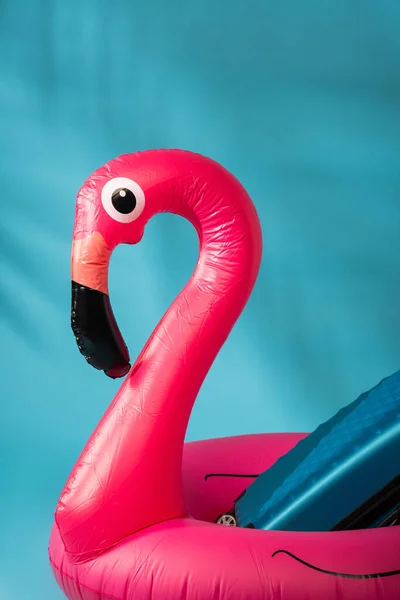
{"points": [[137, 517]]}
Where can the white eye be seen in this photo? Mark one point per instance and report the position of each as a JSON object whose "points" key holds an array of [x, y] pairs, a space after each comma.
{"points": [[123, 199]]}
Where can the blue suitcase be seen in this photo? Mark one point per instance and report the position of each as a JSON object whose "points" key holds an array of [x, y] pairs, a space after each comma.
{"points": [[345, 469]]}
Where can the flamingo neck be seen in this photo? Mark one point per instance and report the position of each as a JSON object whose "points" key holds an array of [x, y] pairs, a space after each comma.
{"points": [[189, 336], [134, 459]]}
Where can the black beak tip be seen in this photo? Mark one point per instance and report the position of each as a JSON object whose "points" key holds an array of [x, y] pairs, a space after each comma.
{"points": [[118, 372], [96, 332]]}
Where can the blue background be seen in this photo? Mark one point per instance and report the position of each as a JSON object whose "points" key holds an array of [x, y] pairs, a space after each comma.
{"points": [[301, 101]]}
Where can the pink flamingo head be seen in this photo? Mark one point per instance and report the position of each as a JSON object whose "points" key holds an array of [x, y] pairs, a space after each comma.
{"points": [[113, 207], [117, 200]]}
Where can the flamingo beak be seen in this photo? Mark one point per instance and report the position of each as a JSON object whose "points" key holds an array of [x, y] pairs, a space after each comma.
{"points": [[92, 319]]}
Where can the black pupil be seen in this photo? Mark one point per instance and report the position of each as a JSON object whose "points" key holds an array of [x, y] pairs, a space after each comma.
{"points": [[124, 201]]}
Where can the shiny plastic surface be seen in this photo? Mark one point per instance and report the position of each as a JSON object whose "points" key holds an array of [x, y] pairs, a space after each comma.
{"points": [[334, 470], [124, 526]]}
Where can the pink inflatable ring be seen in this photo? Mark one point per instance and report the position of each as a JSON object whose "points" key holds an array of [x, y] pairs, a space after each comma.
{"points": [[137, 517]]}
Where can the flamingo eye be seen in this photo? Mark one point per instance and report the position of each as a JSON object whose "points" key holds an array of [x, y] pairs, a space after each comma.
{"points": [[123, 199]]}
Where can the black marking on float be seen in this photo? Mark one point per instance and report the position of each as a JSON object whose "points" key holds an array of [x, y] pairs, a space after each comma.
{"points": [[229, 475], [336, 573]]}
